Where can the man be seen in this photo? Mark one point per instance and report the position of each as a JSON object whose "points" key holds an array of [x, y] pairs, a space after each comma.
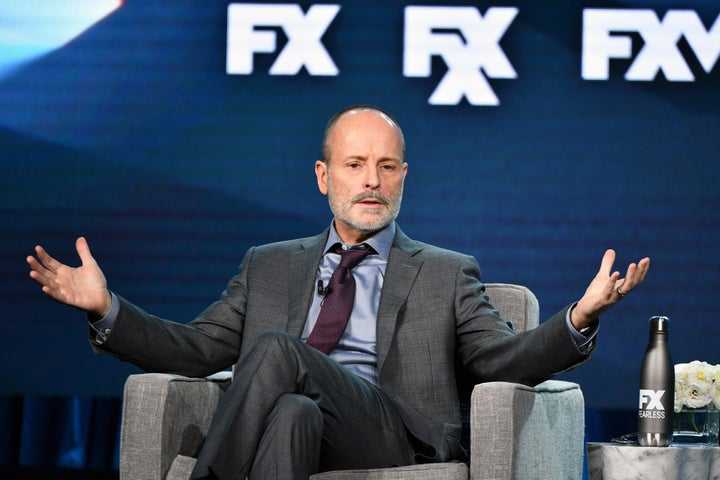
{"points": [[383, 394]]}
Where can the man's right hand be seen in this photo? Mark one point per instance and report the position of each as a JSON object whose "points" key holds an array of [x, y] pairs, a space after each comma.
{"points": [[83, 287]]}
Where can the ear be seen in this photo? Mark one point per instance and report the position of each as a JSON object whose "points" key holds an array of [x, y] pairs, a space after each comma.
{"points": [[321, 172]]}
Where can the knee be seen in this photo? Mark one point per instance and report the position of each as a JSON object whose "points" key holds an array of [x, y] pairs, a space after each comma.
{"points": [[275, 353], [292, 408], [281, 359], [275, 339]]}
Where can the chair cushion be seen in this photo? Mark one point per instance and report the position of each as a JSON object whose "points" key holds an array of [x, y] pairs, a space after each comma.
{"points": [[430, 471], [181, 468]]}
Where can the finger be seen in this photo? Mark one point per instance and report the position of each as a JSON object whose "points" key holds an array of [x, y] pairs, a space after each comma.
{"points": [[53, 292], [33, 263], [635, 274], [83, 250], [643, 268], [622, 287], [611, 285], [607, 262], [47, 283], [630, 281], [46, 260], [38, 272]]}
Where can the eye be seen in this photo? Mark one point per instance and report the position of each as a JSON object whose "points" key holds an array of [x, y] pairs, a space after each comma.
{"points": [[354, 165], [388, 167]]}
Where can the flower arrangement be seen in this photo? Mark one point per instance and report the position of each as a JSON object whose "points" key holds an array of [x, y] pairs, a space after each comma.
{"points": [[697, 384]]}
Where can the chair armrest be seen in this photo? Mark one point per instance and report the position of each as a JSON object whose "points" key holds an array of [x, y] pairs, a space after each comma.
{"points": [[164, 415], [520, 432]]}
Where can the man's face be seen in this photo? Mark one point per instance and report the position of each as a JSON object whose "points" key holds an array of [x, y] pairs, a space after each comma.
{"points": [[364, 176]]}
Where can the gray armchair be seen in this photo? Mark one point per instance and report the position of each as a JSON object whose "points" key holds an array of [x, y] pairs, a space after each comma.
{"points": [[515, 431]]}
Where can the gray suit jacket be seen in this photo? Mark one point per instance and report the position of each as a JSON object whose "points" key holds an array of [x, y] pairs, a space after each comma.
{"points": [[433, 315]]}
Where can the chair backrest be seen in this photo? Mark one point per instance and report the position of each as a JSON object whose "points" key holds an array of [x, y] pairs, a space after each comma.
{"points": [[516, 304]]}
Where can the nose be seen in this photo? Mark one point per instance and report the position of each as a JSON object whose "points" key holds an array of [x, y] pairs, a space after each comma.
{"points": [[372, 179]]}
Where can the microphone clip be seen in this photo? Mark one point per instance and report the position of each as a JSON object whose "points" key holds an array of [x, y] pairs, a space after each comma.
{"points": [[322, 291]]}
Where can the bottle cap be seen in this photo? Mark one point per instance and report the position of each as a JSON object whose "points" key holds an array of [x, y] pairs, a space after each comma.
{"points": [[659, 324]]}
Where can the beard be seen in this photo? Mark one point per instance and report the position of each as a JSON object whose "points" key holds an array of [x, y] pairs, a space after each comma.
{"points": [[369, 219]]}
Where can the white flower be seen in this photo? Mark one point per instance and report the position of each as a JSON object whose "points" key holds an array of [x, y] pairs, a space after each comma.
{"points": [[716, 386], [680, 385], [695, 384]]}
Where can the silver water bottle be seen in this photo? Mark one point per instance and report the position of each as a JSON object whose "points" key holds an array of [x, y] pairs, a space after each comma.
{"points": [[657, 388]]}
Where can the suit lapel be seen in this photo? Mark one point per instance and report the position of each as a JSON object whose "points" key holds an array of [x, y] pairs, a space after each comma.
{"points": [[402, 269], [303, 266]]}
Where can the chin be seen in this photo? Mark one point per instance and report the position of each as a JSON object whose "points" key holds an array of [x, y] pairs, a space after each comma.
{"points": [[373, 226]]}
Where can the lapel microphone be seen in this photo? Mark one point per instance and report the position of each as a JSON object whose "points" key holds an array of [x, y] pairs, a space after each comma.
{"points": [[322, 291]]}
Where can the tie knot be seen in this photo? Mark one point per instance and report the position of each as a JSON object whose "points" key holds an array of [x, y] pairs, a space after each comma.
{"points": [[350, 257]]}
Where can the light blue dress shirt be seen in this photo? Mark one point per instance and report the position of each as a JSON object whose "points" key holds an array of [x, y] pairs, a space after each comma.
{"points": [[357, 347]]}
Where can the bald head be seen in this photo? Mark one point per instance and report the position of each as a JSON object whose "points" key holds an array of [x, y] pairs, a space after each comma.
{"points": [[353, 110]]}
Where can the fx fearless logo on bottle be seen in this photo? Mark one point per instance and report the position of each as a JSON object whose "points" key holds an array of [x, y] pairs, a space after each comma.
{"points": [[651, 404]]}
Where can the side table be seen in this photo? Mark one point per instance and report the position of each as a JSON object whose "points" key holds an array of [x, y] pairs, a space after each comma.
{"points": [[616, 461]]}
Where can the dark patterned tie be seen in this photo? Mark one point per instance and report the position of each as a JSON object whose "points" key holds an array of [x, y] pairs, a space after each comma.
{"points": [[338, 303]]}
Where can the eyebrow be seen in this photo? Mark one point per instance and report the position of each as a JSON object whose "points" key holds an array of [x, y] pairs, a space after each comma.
{"points": [[382, 159]]}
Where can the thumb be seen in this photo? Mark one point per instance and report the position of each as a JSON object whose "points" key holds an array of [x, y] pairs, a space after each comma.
{"points": [[83, 251]]}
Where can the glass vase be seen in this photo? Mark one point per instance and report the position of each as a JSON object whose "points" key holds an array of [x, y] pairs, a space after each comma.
{"points": [[696, 425]]}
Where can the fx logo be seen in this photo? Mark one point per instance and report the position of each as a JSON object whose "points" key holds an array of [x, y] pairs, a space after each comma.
{"points": [[468, 43], [652, 399], [304, 32], [605, 37]]}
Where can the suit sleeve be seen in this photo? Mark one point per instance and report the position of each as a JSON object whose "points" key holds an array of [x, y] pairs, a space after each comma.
{"points": [[493, 352], [206, 345]]}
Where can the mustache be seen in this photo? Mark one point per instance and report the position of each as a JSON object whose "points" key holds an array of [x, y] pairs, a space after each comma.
{"points": [[371, 196]]}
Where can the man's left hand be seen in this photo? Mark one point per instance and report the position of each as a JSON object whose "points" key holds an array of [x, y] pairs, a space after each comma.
{"points": [[607, 289]]}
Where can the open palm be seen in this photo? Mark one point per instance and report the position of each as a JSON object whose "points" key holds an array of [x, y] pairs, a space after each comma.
{"points": [[83, 287], [607, 289]]}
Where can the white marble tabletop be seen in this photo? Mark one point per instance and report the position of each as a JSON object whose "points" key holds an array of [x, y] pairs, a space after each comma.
{"points": [[615, 461]]}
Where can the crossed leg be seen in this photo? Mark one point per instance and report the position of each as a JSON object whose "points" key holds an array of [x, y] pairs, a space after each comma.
{"points": [[291, 411]]}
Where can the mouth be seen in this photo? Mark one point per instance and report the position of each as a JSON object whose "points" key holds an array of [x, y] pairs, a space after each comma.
{"points": [[372, 201]]}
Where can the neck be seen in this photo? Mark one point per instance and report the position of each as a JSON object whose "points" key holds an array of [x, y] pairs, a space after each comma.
{"points": [[353, 236]]}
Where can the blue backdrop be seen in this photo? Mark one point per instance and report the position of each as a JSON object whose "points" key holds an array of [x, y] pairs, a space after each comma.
{"points": [[131, 132]]}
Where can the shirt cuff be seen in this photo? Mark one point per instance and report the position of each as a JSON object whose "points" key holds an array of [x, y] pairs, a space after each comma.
{"points": [[584, 339], [104, 326]]}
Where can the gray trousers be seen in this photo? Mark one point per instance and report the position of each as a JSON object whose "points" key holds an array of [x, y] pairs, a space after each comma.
{"points": [[291, 411]]}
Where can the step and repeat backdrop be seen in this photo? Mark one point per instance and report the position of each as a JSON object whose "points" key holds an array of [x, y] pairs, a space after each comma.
{"points": [[175, 135]]}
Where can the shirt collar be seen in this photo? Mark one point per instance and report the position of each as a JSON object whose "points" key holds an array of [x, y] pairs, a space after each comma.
{"points": [[382, 241]]}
